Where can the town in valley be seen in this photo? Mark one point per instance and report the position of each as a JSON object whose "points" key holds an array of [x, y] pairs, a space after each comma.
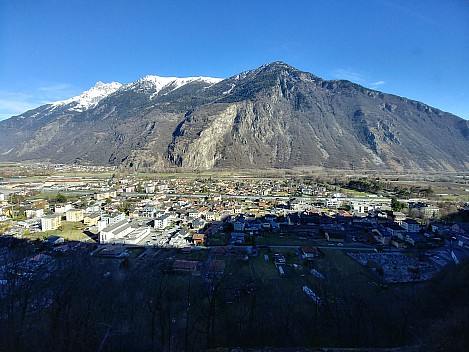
{"points": [[302, 250]]}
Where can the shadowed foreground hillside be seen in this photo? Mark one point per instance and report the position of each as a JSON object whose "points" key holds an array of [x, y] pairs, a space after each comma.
{"points": [[77, 302]]}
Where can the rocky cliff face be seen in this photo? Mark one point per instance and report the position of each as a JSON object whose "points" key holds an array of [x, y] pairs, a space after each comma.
{"points": [[273, 116], [277, 116]]}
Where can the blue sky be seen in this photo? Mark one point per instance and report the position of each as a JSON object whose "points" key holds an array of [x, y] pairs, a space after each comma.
{"points": [[55, 49]]}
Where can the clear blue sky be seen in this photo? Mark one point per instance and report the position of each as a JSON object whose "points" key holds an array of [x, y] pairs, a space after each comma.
{"points": [[54, 49]]}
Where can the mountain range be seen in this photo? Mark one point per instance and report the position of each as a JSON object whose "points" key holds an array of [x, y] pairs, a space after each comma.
{"points": [[275, 116]]}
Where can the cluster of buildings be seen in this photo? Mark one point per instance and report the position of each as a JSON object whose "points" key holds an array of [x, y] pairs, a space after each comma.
{"points": [[171, 211]]}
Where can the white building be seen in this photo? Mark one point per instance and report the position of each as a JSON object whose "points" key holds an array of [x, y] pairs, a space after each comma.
{"points": [[123, 232], [34, 213], [332, 202], [212, 216], [91, 219], [300, 205], [115, 231], [93, 208], [430, 211], [135, 236], [161, 222], [360, 207], [194, 213], [51, 222], [74, 215], [107, 220], [105, 195], [62, 209], [410, 225]]}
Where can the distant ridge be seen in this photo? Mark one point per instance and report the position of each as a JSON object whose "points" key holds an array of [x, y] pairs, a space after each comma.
{"points": [[274, 116]]}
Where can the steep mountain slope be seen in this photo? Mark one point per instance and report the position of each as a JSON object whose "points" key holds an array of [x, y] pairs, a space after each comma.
{"points": [[273, 116], [279, 116]]}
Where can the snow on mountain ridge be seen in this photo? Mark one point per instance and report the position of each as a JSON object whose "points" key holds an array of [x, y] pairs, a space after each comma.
{"points": [[91, 97], [158, 83], [155, 84]]}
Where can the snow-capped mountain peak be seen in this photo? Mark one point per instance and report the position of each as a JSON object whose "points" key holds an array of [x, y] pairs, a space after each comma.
{"points": [[151, 84], [91, 97], [155, 84]]}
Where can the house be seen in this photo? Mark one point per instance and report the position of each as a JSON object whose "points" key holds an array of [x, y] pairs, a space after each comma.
{"points": [[161, 222], [25, 224], [463, 241], [51, 222], [107, 220], [74, 215], [415, 239], [335, 235], [430, 211], [55, 240], [360, 207], [394, 229], [398, 243], [91, 219], [253, 225], [382, 236], [149, 211], [212, 216], [198, 223], [105, 195], [238, 209], [135, 236], [343, 213], [461, 228], [34, 213], [332, 203], [193, 213], [61, 209], [239, 224], [396, 216], [93, 208], [410, 225], [459, 255], [198, 238], [300, 205]]}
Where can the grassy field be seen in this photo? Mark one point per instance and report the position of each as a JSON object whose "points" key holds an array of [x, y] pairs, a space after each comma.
{"points": [[200, 255], [276, 240], [53, 195], [70, 231], [264, 270], [98, 175], [355, 193], [218, 239], [342, 267]]}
